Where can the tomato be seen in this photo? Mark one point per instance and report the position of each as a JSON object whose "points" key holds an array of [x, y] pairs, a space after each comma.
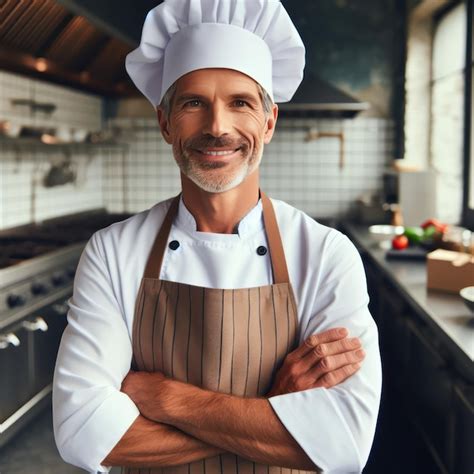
{"points": [[400, 242]]}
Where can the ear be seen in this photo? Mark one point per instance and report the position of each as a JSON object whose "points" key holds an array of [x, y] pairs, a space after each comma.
{"points": [[164, 125], [270, 125]]}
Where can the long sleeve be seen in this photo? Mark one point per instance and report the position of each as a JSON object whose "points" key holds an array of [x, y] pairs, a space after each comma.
{"points": [[336, 426], [90, 414]]}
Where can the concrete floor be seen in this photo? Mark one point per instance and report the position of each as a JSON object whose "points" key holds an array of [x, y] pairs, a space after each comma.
{"points": [[33, 451]]}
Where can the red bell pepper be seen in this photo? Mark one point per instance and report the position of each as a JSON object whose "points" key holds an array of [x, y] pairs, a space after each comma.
{"points": [[438, 225]]}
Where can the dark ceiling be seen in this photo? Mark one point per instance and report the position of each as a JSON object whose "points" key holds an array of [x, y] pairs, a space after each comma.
{"points": [[80, 43]]}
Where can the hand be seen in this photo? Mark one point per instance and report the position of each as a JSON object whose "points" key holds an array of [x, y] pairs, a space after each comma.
{"points": [[323, 360], [146, 389]]}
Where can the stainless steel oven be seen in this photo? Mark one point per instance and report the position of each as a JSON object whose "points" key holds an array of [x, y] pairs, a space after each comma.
{"points": [[37, 268], [33, 315]]}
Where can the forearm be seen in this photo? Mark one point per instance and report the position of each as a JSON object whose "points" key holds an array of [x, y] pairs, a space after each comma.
{"points": [[245, 426], [150, 444]]}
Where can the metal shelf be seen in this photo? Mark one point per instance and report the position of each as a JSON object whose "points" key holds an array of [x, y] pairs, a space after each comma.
{"points": [[33, 143]]}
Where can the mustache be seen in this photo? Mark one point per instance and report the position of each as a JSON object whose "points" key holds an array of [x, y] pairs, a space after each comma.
{"points": [[208, 141]]}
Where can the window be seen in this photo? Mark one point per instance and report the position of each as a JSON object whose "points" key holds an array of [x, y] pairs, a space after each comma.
{"points": [[447, 109]]}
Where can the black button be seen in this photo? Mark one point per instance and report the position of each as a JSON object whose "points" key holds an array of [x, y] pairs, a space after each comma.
{"points": [[173, 245], [262, 250], [58, 279], [15, 300], [39, 289]]}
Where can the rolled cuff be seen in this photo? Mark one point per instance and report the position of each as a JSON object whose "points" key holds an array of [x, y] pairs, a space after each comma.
{"points": [[317, 425], [86, 443]]}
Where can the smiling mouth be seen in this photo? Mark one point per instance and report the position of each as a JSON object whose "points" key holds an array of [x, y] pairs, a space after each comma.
{"points": [[218, 152]]}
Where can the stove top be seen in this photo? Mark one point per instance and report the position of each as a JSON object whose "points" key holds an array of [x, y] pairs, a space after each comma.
{"points": [[34, 240], [38, 263]]}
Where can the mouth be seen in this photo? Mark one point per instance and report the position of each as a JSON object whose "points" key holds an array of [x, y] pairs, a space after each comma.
{"points": [[217, 155], [217, 151]]}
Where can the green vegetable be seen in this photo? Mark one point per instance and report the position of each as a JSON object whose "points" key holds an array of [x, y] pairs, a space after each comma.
{"points": [[429, 233], [414, 234]]}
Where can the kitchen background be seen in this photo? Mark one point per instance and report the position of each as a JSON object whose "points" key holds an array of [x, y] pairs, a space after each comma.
{"points": [[77, 138]]}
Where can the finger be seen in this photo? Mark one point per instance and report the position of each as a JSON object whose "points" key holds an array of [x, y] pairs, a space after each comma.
{"points": [[338, 347], [337, 376], [333, 334], [334, 362], [331, 348], [312, 341]]}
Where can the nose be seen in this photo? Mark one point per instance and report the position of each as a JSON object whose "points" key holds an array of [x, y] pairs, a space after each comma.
{"points": [[217, 121]]}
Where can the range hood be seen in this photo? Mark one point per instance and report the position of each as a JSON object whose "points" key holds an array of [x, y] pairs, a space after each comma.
{"points": [[317, 98], [46, 40]]}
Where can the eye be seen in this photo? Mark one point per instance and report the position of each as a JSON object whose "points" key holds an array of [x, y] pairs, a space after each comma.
{"points": [[193, 103], [240, 103]]}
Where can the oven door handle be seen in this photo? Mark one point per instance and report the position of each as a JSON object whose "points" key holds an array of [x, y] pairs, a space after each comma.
{"points": [[38, 324], [7, 339]]}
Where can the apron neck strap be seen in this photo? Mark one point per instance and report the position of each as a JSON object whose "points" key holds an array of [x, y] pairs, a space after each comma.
{"points": [[277, 255], [153, 266]]}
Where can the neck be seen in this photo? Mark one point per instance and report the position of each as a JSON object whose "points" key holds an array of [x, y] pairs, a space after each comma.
{"points": [[220, 212]]}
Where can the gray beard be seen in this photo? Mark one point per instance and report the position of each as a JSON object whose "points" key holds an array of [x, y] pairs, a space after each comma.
{"points": [[197, 172]]}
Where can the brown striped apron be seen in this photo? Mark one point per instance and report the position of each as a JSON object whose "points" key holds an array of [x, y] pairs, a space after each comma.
{"points": [[229, 341]]}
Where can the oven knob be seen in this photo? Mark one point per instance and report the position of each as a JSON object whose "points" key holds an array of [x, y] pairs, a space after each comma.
{"points": [[39, 289], [15, 300], [57, 279]]}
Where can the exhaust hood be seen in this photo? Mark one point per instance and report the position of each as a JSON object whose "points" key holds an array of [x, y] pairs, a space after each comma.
{"points": [[317, 98], [43, 39]]}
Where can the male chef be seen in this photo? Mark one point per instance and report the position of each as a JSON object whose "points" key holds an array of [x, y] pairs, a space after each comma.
{"points": [[219, 331]]}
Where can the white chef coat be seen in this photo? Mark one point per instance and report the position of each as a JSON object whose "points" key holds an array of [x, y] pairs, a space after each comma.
{"points": [[335, 427]]}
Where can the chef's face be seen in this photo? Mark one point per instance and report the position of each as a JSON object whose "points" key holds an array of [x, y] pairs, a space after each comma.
{"points": [[217, 127]]}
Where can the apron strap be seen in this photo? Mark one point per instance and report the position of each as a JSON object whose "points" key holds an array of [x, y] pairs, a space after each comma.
{"points": [[277, 255], [153, 266]]}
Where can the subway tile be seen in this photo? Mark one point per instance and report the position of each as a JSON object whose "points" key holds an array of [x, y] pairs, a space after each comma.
{"points": [[305, 174]]}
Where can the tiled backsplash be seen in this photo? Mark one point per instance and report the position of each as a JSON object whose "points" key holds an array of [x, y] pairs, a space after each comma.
{"points": [[304, 173], [23, 198], [74, 109]]}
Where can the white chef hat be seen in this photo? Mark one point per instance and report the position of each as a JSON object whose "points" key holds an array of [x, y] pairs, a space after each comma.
{"points": [[255, 37]]}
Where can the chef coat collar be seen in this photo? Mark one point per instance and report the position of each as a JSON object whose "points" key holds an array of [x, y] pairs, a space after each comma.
{"points": [[251, 223]]}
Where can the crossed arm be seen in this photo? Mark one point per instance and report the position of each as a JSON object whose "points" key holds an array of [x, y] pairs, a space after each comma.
{"points": [[180, 423]]}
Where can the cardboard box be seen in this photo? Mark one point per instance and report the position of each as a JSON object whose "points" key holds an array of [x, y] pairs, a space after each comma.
{"points": [[449, 271]]}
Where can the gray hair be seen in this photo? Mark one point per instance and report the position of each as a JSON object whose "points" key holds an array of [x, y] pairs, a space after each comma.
{"points": [[167, 101]]}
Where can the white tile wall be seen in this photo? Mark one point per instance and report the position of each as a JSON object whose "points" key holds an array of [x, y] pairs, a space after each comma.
{"points": [[23, 198], [75, 109], [144, 175], [305, 174]]}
